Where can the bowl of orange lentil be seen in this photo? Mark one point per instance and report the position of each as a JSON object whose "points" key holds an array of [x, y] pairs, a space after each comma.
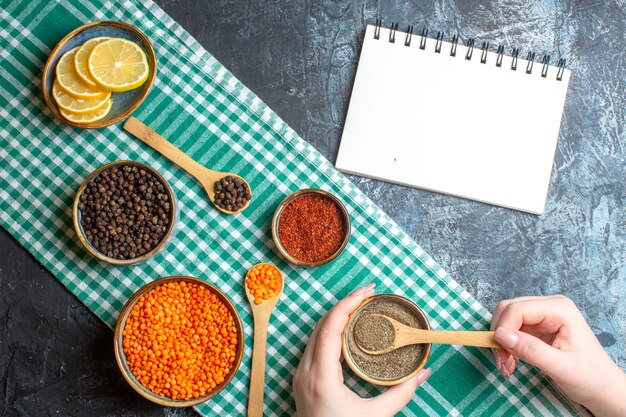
{"points": [[179, 341]]}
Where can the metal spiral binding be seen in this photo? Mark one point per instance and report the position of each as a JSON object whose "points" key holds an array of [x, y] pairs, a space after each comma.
{"points": [[500, 55], [514, 61], [561, 66], [379, 23], [409, 35], [439, 42], [530, 58], [423, 38], [455, 41], [392, 32], [545, 61], [483, 53], [470, 49]]}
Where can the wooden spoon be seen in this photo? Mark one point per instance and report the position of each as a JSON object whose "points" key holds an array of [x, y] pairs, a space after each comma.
{"points": [[405, 335], [205, 176], [261, 314]]}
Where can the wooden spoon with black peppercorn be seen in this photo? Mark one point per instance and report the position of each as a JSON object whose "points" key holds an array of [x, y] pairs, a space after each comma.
{"points": [[404, 335], [229, 192]]}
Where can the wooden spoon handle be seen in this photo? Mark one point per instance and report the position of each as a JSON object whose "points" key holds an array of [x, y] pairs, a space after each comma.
{"points": [[257, 374], [447, 337], [162, 145]]}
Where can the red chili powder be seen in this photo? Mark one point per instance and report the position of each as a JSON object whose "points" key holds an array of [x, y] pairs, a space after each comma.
{"points": [[311, 228]]}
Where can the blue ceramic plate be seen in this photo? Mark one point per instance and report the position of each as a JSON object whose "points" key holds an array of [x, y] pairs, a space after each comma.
{"points": [[123, 103]]}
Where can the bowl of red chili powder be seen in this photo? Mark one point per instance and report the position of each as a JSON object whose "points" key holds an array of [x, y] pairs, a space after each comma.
{"points": [[311, 227]]}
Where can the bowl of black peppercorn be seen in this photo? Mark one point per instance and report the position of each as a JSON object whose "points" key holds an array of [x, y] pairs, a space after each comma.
{"points": [[124, 212]]}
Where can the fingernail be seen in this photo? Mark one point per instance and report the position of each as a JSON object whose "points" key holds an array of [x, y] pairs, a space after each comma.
{"points": [[507, 338], [499, 364], [361, 290], [423, 375], [505, 372], [502, 371]]}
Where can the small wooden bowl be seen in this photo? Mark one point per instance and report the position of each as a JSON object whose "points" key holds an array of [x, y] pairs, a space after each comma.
{"points": [[120, 356], [421, 316], [78, 228], [123, 103], [309, 192]]}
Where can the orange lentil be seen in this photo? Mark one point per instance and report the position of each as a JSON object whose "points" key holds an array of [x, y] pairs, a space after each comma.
{"points": [[162, 346], [263, 281]]}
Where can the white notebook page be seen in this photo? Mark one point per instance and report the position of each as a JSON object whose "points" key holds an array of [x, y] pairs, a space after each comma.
{"points": [[452, 125]]}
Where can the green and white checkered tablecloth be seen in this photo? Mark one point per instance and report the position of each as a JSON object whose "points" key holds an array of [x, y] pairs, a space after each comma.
{"points": [[208, 113]]}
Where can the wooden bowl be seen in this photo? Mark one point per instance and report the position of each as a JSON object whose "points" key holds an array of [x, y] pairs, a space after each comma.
{"points": [[421, 316], [120, 356], [80, 233], [123, 103], [309, 192]]}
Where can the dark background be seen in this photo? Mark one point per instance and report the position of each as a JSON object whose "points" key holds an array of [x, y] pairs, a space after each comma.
{"points": [[300, 57]]}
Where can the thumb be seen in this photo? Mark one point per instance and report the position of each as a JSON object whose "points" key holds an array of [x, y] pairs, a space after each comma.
{"points": [[395, 398], [529, 348]]}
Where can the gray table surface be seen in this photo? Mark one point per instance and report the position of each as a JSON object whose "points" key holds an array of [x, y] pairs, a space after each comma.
{"points": [[300, 57]]}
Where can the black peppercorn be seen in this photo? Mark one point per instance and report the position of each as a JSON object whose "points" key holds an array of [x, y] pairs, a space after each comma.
{"points": [[231, 193], [119, 211]]}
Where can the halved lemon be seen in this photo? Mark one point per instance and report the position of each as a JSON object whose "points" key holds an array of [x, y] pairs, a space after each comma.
{"points": [[74, 105], [81, 58], [84, 118], [118, 65], [69, 81]]}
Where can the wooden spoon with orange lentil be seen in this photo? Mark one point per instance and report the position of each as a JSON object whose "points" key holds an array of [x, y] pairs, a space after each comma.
{"points": [[264, 286]]}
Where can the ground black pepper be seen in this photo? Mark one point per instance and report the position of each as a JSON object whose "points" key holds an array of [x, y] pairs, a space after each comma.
{"points": [[125, 212], [231, 193], [392, 365], [373, 332]]}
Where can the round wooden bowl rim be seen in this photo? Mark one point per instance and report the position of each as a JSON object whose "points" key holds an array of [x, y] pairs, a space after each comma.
{"points": [[350, 361], [290, 198], [81, 234], [120, 357]]}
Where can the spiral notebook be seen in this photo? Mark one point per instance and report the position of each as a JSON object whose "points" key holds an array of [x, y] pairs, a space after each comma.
{"points": [[460, 119]]}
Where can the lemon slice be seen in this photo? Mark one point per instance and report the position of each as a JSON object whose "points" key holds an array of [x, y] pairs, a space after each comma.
{"points": [[118, 65], [69, 81], [74, 105], [84, 118], [81, 58]]}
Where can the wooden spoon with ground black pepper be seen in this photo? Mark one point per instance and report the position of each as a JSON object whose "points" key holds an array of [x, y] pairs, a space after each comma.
{"points": [[403, 335], [230, 193]]}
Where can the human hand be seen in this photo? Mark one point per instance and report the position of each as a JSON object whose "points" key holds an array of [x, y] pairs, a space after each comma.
{"points": [[318, 382], [551, 333]]}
